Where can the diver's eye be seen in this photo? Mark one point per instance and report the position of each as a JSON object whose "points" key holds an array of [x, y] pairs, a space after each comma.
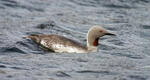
{"points": [[100, 31]]}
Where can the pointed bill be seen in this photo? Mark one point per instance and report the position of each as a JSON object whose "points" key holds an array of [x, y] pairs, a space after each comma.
{"points": [[111, 34]]}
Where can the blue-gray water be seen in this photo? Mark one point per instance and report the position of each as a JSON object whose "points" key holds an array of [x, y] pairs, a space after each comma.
{"points": [[123, 57]]}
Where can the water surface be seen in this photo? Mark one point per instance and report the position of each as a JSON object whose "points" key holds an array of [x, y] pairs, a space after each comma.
{"points": [[123, 57]]}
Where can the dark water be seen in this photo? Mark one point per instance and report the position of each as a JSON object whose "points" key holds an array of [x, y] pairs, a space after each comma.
{"points": [[124, 57]]}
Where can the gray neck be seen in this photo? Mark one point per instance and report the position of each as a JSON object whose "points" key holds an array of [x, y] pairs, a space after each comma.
{"points": [[90, 40]]}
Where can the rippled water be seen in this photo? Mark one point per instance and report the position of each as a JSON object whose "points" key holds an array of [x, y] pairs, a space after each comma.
{"points": [[124, 57]]}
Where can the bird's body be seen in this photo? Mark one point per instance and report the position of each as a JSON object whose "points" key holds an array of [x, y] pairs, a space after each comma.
{"points": [[61, 44], [58, 43]]}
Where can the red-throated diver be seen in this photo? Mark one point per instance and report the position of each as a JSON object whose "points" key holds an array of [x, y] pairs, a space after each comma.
{"points": [[61, 44]]}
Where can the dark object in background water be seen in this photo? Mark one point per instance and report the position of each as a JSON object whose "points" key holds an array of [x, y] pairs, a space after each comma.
{"points": [[46, 25]]}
